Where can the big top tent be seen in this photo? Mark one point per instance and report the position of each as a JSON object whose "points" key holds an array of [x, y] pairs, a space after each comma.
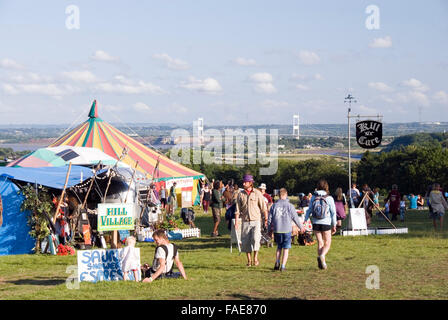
{"points": [[96, 133]]}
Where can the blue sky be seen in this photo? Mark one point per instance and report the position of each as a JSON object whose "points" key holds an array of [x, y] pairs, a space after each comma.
{"points": [[226, 61]]}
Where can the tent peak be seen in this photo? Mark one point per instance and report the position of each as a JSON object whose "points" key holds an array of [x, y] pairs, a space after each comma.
{"points": [[93, 110]]}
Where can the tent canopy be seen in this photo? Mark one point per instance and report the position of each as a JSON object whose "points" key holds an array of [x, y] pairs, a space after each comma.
{"points": [[96, 133], [62, 155], [52, 177]]}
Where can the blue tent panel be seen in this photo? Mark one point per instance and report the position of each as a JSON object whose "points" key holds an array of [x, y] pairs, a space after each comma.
{"points": [[53, 177], [14, 231]]}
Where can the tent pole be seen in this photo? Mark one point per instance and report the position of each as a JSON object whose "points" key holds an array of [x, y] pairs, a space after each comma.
{"points": [[132, 179], [63, 193], [378, 208]]}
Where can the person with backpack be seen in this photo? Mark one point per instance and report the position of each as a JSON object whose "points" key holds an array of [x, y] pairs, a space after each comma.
{"points": [[322, 211], [281, 216], [165, 256]]}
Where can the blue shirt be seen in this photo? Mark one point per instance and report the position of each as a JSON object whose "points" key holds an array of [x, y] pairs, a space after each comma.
{"points": [[413, 200], [329, 219]]}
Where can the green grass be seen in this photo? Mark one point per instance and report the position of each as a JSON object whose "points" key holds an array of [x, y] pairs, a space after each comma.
{"points": [[412, 266]]}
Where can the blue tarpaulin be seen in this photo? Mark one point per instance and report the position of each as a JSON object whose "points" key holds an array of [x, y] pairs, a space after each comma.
{"points": [[14, 230], [52, 177]]}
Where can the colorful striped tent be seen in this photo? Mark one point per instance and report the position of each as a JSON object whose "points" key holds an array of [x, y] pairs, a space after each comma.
{"points": [[96, 133]]}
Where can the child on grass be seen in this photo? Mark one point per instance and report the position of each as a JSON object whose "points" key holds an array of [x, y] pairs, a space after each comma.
{"points": [[131, 259]]}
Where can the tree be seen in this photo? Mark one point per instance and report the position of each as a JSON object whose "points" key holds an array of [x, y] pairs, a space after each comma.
{"points": [[38, 202]]}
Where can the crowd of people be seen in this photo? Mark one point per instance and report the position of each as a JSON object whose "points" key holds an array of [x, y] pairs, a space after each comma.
{"points": [[257, 211]]}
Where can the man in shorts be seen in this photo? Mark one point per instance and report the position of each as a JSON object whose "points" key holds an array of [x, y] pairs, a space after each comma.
{"points": [[251, 205], [281, 217]]}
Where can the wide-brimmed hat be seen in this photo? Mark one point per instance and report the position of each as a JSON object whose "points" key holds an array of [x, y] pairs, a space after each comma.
{"points": [[248, 178], [262, 186]]}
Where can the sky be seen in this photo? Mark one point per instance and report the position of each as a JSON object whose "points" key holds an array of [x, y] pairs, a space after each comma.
{"points": [[229, 62]]}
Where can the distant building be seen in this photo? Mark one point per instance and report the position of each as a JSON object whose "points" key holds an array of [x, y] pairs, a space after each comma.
{"points": [[296, 126]]}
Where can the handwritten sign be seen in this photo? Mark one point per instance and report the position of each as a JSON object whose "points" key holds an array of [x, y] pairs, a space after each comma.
{"points": [[369, 134], [102, 265], [115, 216]]}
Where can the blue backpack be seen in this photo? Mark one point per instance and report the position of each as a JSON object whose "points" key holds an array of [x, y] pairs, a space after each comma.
{"points": [[320, 206]]}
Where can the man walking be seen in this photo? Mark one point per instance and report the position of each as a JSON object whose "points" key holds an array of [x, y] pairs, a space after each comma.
{"points": [[281, 216], [251, 206]]}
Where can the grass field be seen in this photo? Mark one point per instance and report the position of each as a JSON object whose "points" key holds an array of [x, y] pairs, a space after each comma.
{"points": [[412, 266]]}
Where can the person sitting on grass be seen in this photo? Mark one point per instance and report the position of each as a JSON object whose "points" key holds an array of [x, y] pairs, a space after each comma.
{"points": [[280, 219], [166, 254]]}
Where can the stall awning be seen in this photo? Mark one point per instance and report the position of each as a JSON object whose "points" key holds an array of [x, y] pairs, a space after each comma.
{"points": [[52, 177]]}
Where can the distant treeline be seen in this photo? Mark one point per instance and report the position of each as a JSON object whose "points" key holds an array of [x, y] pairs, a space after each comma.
{"points": [[412, 168], [437, 139]]}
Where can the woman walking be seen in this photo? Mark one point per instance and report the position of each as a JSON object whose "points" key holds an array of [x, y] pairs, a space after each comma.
{"points": [[206, 196], [340, 202], [322, 211]]}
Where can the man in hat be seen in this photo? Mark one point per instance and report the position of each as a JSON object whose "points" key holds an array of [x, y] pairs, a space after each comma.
{"points": [[251, 206], [267, 197]]}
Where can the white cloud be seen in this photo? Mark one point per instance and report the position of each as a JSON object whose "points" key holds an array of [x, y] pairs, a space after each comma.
{"points": [[318, 76], [141, 107], [265, 87], [139, 87], [101, 55], [385, 42], [419, 97], [302, 87], [208, 85], [10, 64], [441, 97], [30, 77], [48, 89], [308, 57], [245, 62], [380, 86], [415, 85], [80, 76], [263, 82], [261, 77], [171, 63]]}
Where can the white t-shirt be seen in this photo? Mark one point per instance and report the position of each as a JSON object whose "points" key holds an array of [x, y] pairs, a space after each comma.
{"points": [[160, 253]]}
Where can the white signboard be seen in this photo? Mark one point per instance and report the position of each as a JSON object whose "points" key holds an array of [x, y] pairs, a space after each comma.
{"points": [[103, 265], [358, 219], [180, 183], [115, 216]]}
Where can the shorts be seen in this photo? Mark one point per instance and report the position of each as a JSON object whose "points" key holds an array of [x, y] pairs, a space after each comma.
{"points": [[321, 227], [283, 240], [163, 201], [250, 236], [436, 215], [216, 215]]}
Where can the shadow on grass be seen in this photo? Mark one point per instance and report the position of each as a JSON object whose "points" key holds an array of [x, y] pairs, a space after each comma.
{"points": [[204, 243], [39, 281], [246, 297]]}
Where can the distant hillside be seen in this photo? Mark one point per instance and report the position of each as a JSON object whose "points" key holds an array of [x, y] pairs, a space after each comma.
{"points": [[419, 139]]}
